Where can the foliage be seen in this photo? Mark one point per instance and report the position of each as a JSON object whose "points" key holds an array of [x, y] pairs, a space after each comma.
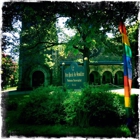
{"points": [[95, 106], [44, 106], [71, 106], [12, 104], [9, 72], [90, 29], [101, 101], [13, 101], [65, 131], [32, 113], [134, 106], [38, 26], [133, 38]]}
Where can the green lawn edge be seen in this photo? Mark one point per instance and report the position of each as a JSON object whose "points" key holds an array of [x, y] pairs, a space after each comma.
{"points": [[64, 131]]}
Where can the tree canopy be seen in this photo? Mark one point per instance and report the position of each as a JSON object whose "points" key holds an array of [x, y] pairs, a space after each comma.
{"points": [[9, 72], [91, 20]]}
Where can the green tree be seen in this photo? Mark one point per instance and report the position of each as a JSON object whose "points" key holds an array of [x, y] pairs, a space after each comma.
{"points": [[90, 20], [38, 36], [97, 18], [9, 72], [133, 38]]}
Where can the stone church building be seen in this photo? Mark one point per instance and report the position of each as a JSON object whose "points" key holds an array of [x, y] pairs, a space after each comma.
{"points": [[39, 65], [35, 70]]}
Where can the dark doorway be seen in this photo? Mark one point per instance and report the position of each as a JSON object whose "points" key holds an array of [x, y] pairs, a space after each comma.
{"points": [[107, 77], [94, 78], [119, 78], [37, 79]]}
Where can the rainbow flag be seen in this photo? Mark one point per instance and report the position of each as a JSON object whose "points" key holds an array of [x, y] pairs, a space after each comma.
{"points": [[127, 65]]}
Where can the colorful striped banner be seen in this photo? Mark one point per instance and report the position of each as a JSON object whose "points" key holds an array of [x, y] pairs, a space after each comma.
{"points": [[127, 66]]}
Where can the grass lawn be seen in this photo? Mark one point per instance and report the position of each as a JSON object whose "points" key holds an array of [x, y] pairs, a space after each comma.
{"points": [[64, 131], [15, 129]]}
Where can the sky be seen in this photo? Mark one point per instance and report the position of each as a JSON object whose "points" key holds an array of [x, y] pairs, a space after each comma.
{"points": [[68, 32]]}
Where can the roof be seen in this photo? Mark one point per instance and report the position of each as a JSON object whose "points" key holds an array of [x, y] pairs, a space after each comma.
{"points": [[95, 63]]}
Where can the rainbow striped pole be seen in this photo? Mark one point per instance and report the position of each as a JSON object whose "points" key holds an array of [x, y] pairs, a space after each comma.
{"points": [[127, 72]]}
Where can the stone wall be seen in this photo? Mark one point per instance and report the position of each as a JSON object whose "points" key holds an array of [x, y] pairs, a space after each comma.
{"points": [[101, 74]]}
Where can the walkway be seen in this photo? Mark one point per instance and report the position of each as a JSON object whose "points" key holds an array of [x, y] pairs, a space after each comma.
{"points": [[119, 91], [14, 92]]}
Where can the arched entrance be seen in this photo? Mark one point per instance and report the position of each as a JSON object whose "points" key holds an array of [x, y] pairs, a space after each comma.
{"points": [[37, 79], [119, 78], [94, 77], [107, 77]]}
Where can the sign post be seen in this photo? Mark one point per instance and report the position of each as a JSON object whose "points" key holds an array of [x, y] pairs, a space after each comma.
{"points": [[63, 73], [86, 67]]}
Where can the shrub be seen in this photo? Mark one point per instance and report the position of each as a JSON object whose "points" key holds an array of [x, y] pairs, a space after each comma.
{"points": [[11, 104], [101, 106], [71, 108], [134, 106], [95, 106], [44, 106]]}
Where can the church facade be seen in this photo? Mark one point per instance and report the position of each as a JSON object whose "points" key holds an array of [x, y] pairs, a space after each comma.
{"points": [[40, 64], [103, 72], [35, 73]]}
